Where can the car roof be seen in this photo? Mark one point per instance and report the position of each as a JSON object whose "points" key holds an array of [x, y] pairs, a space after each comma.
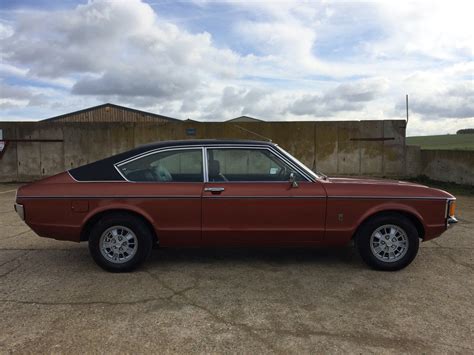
{"points": [[184, 142]]}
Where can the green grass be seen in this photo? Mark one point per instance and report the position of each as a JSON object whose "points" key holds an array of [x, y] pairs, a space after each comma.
{"points": [[445, 142], [453, 188]]}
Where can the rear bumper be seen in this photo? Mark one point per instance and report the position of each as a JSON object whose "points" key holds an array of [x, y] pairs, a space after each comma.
{"points": [[57, 231], [20, 210]]}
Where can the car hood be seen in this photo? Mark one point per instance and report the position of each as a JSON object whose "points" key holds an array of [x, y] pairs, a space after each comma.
{"points": [[371, 181], [370, 187]]}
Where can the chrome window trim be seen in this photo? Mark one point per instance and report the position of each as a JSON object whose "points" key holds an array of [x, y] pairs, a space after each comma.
{"points": [[157, 151], [271, 149], [94, 181], [205, 165], [205, 147], [295, 160]]}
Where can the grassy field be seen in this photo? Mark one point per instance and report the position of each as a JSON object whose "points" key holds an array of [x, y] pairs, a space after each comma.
{"points": [[447, 142], [456, 189]]}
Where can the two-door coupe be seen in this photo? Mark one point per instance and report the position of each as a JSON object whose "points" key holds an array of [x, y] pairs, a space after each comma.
{"points": [[228, 193]]}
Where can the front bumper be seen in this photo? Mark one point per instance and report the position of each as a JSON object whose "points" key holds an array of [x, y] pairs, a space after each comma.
{"points": [[20, 210], [452, 220]]}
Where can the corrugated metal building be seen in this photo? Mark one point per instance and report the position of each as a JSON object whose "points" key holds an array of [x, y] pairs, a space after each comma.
{"points": [[111, 113]]}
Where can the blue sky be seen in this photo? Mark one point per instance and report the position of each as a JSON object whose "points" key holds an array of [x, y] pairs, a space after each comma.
{"points": [[275, 60]]}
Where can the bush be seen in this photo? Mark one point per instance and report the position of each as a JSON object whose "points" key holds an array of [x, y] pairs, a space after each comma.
{"points": [[465, 131]]}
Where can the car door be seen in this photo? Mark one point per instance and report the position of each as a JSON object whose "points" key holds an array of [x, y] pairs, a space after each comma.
{"points": [[248, 199], [167, 185]]}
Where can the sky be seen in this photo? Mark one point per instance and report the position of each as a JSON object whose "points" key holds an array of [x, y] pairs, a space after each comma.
{"points": [[273, 60]]}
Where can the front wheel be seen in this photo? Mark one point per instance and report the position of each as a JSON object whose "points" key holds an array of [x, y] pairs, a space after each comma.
{"points": [[388, 242], [120, 242]]}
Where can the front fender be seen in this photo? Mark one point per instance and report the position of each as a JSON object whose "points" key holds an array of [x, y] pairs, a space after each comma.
{"points": [[344, 216], [388, 207]]}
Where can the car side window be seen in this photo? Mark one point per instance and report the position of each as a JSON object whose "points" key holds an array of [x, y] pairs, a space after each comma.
{"points": [[183, 165], [247, 164]]}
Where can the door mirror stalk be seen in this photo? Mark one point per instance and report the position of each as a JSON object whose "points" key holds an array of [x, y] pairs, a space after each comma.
{"points": [[293, 181]]}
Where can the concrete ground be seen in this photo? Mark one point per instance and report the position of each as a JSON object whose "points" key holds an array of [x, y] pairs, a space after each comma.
{"points": [[53, 298]]}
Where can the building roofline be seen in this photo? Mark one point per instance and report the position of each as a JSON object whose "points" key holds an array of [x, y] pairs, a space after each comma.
{"points": [[243, 118], [111, 105]]}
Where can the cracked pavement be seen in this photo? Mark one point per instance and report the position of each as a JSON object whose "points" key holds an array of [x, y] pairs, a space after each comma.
{"points": [[53, 298]]}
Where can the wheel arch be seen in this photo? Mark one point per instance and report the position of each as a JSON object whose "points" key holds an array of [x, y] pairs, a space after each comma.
{"points": [[95, 217], [416, 220]]}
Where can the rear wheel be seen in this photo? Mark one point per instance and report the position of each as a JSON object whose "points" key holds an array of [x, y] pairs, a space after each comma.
{"points": [[388, 242], [120, 242]]}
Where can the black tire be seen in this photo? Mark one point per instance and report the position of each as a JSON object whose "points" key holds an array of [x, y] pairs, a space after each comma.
{"points": [[144, 241], [363, 242]]}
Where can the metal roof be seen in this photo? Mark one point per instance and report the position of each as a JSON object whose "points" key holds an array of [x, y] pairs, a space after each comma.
{"points": [[115, 106]]}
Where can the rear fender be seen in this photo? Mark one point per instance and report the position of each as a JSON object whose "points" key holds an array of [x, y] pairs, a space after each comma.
{"points": [[120, 207]]}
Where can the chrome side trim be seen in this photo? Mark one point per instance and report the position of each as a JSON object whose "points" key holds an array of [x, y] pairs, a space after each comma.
{"points": [[172, 197], [265, 197], [385, 198], [114, 197]]}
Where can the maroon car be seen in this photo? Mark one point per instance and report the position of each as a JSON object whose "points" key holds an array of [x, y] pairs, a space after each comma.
{"points": [[228, 193]]}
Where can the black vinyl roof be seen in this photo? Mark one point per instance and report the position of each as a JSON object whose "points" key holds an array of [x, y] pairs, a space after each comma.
{"points": [[104, 170]]}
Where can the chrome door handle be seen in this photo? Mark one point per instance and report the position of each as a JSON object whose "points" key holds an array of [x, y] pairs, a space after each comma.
{"points": [[214, 190]]}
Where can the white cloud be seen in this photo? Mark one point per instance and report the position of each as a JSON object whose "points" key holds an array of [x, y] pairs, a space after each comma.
{"points": [[19, 96], [302, 60], [456, 101], [436, 29]]}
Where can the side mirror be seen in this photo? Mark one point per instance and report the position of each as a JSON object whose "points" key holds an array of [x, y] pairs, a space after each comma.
{"points": [[293, 181]]}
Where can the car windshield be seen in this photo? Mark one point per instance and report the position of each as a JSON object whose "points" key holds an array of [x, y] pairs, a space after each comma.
{"points": [[316, 175]]}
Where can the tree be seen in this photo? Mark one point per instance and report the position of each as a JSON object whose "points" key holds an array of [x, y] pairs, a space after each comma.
{"points": [[466, 131]]}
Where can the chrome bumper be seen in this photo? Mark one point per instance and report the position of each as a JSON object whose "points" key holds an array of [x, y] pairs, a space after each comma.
{"points": [[20, 210], [452, 220]]}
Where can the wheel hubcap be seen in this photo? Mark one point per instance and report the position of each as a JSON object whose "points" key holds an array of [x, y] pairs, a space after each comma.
{"points": [[118, 244], [389, 243]]}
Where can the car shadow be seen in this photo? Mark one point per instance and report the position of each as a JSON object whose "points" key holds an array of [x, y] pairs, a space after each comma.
{"points": [[322, 256]]}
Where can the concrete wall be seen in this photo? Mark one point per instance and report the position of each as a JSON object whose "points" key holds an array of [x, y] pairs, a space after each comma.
{"points": [[448, 165], [413, 159], [374, 148]]}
